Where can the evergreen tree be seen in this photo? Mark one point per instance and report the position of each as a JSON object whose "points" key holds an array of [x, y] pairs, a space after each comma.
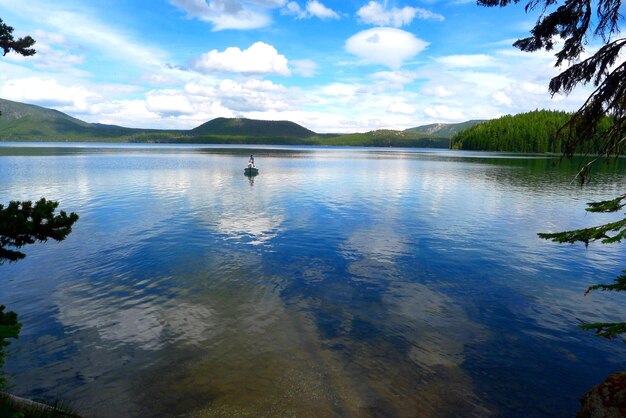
{"points": [[21, 46], [574, 22], [23, 223], [9, 325]]}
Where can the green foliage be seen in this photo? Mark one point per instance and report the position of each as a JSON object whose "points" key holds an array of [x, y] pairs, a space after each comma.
{"points": [[24, 122], [608, 330], [9, 328], [607, 206], [576, 22], [599, 126], [387, 138], [535, 131], [601, 233], [21, 46], [618, 285], [23, 223]]}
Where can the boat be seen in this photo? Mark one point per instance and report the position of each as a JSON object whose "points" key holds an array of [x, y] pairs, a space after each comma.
{"points": [[250, 171]]}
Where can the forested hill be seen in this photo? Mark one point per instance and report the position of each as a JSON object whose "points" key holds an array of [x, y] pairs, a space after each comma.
{"points": [[251, 127], [526, 132], [26, 122]]}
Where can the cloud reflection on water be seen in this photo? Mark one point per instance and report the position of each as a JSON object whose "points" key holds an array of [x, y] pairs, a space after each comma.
{"points": [[431, 326], [377, 283], [134, 319]]}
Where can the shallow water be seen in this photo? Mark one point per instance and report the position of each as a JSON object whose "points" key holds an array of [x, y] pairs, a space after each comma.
{"points": [[338, 282]]}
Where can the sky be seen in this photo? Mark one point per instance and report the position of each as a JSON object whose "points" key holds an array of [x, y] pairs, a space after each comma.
{"points": [[331, 66]]}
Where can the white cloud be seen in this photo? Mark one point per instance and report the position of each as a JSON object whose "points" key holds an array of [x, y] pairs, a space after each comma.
{"points": [[340, 90], [230, 14], [401, 107], [437, 91], [312, 9], [317, 9], [168, 103], [108, 42], [395, 78], [259, 58], [501, 98], [53, 52], [444, 113], [305, 67], [533, 88], [468, 61], [253, 95], [386, 46], [131, 113], [374, 13], [49, 93], [293, 9]]}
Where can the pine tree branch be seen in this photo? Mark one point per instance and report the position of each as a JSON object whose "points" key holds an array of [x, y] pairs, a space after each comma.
{"points": [[587, 235]]}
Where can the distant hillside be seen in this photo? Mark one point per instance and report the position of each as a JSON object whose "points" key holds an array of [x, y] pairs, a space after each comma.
{"points": [[252, 128], [25, 122], [388, 138], [444, 130], [526, 132]]}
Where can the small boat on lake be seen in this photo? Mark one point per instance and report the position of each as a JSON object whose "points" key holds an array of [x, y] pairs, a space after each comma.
{"points": [[250, 171]]}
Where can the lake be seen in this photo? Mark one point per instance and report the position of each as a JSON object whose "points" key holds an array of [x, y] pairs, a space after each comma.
{"points": [[343, 282]]}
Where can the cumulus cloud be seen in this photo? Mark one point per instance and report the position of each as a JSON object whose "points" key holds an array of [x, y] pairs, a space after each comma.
{"points": [[230, 14], [253, 95], [168, 103], [259, 58], [374, 13], [386, 46], [317, 9], [48, 92], [312, 9]]}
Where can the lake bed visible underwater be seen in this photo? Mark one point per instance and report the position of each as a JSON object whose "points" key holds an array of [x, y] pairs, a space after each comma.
{"points": [[342, 282]]}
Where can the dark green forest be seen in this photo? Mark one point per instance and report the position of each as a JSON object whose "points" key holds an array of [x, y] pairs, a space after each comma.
{"points": [[536, 131]]}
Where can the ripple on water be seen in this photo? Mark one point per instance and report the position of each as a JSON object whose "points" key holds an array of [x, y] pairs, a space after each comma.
{"points": [[361, 283]]}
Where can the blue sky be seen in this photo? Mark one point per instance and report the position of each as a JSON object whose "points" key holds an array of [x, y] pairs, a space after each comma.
{"points": [[331, 66]]}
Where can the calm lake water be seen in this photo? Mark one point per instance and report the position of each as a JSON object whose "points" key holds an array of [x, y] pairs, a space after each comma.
{"points": [[338, 282]]}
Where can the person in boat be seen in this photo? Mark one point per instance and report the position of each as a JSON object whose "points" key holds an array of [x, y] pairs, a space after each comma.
{"points": [[251, 162]]}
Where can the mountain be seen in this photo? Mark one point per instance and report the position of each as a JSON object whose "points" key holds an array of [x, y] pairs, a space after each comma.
{"points": [[25, 122], [444, 130], [252, 128]]}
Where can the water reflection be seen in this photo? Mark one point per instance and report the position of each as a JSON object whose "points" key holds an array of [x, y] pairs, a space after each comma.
{"points": [[336, 283]]}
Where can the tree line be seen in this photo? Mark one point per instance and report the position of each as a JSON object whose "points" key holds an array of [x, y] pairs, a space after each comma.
{"points": [[536, 131]]}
